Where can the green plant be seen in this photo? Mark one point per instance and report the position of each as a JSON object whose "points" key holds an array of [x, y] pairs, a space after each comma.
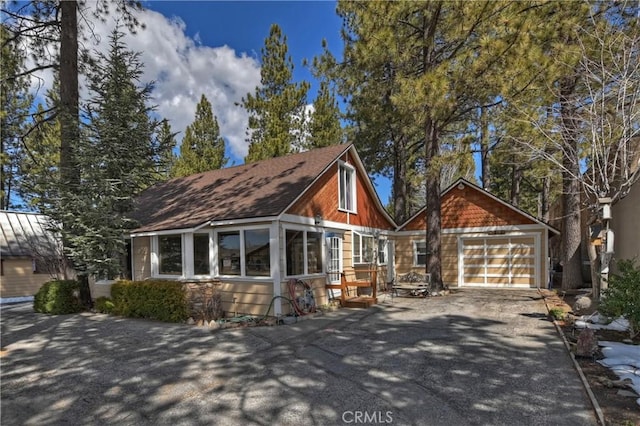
{"points": [[622, 298], [104, 305], [161, 300], [557, 313], [58, 297]]}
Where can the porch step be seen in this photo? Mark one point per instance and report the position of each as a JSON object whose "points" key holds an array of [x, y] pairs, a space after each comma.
{"points": [[360, 302]]}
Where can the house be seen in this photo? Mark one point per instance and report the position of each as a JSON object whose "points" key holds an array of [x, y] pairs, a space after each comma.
{"points": [[254, 227], [30, 254], [625, 222], [486, 242]]}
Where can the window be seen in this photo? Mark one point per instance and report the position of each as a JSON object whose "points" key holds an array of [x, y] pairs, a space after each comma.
{"points": [[382, 251], [229, 253], [314, 252], [363, 248], [304, 252], [420, 253], [257, 253], [201, 261], [347, 188], [170, 254]]}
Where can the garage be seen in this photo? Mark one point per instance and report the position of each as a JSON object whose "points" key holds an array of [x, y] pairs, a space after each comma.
{"points": [[499, 261]]}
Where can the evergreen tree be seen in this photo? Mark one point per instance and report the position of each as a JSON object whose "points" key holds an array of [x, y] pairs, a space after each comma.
{"points": [[166, 142], [15, 101], [202, 147], [118, 157], [324, 127], [276, 111], [433, 64]]}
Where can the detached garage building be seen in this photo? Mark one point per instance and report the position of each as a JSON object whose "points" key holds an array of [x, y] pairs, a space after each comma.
{"points": [[486, 242]]}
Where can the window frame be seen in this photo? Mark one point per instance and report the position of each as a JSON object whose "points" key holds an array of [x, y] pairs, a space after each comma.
{"points": [[243, 259], [350, 203], [156, 250], [416, 254], [384, 250], [360, 246], [210, 254], [305, 248]]}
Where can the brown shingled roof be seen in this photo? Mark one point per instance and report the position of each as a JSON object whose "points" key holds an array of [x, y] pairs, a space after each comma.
{"points": [[261, 189]]}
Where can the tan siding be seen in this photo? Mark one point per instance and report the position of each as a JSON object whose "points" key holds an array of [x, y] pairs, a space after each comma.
{"points": [[250, 298], [100, 290], [19, 280], [319, 293], [624, 222], [141, 258]]}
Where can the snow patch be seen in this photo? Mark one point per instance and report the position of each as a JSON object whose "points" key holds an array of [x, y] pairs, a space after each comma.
{"points": [[624, 360], [596, 321]]}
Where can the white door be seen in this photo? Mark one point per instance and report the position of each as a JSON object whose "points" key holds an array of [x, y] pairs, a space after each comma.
{"points": [[334, 261], [504, 261]]}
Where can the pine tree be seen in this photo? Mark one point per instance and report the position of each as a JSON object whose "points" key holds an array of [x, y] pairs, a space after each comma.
{"points": [[166, 140], [118, 157], [433, 64], [202, 147], [15, 101], [324, 127], [276, 111]]}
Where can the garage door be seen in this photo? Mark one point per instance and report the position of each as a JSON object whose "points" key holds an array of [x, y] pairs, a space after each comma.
{"points": [[498, 261]]}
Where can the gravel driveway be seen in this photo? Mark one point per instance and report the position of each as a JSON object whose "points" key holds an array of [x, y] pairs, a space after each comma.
{"points": [[472, 358]]}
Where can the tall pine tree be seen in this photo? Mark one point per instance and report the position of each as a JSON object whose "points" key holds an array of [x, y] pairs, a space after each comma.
{"points": [[276, 110], [202, 147], [324, 127], [117, 156]]}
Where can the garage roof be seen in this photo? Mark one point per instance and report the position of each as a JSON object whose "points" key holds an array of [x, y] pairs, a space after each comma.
{"points": [[22, 234]]}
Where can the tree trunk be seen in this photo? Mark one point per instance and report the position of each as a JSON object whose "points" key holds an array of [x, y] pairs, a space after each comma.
{"points": [[484, 151], [433, 210], [544, 199], [85, 291], [69, 122], [571, 232], [400, 179], [516, 179]]}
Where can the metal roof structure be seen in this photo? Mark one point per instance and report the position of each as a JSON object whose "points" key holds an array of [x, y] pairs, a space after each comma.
{"points": [[25, 234]]}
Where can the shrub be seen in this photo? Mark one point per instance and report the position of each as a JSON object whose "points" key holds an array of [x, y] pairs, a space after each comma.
{"points": [[622, 298], [58, 297], [104, 305], [155, 299], [557, 314]]}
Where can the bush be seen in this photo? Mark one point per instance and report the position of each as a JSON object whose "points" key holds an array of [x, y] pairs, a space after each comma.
{"points": [[58, 297], [104, 305], [622, 298], [557, 314], [155, 299]]}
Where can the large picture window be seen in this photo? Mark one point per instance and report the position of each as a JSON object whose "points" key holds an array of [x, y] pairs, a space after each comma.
{"points": [[201, 261], [229, 253], [420, 253], [170, 254], [363, 248], [304, 252], [347, 188], [257, 253]]}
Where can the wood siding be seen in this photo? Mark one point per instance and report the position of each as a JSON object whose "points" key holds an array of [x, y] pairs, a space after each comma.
{"points": [[19, 280], [322, 198], [470, 208]]}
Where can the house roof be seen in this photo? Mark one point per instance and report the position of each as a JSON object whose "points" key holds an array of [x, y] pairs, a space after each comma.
{"points": [[488, 194], [24, 234], [262, 189]]}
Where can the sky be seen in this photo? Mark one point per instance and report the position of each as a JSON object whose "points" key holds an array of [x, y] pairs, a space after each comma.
{"points": [[191, 48]]}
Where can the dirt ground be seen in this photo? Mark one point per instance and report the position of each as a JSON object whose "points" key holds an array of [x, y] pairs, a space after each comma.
{"points": [[618, 410]]}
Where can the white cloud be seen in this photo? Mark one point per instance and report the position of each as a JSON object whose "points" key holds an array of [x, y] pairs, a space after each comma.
{"points": [[183, 69]]}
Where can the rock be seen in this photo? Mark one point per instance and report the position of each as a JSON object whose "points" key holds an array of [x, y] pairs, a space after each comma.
{"points": [[624, 392], [587, 343], [191, 321], [214, 324], [582, 304]]}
